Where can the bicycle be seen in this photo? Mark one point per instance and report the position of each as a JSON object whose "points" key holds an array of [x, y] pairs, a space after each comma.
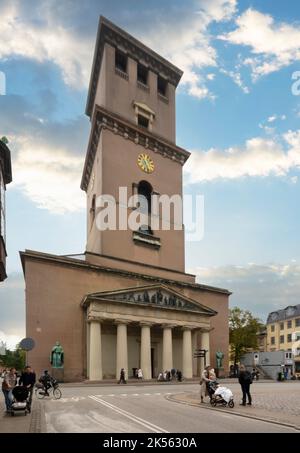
{"points": [[41, 392]]}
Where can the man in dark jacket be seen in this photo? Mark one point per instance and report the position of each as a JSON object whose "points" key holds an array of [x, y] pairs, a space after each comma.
{"points": [[245, 380], [28, 380]]}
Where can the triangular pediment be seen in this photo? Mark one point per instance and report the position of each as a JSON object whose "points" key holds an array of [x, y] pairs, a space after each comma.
{"points": [[159, 296]]}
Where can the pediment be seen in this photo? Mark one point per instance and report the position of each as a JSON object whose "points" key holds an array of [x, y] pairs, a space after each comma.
{"points": [[158, 296]]}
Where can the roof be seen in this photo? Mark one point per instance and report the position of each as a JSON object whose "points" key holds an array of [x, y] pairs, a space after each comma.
{"points": [[79, 263], [143, 295], [5, 162], [289, 312], [111, 34]]}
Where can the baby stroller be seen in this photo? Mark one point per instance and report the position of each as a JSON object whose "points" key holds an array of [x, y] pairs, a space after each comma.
{"points": [[211, 388], [20, 400], [222, 397]]}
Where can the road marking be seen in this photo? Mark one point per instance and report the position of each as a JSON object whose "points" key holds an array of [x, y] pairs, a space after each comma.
{"points": [[147, 394], [134, 418]]}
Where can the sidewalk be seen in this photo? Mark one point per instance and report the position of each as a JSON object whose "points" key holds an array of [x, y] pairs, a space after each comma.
{"points": [[278, 410], [31, 423]]}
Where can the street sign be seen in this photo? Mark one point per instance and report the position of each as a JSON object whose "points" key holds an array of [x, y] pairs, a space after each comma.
{"points": [[27, 344]]}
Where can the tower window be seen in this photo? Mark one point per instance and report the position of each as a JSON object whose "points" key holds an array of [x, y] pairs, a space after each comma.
{"points": [[162, 86], [142, 74], [121, 61], [143, 121], [145, 189]]}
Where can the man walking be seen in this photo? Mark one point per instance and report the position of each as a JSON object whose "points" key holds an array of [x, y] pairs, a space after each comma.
{"points": [[245, 380], [28, 379]]}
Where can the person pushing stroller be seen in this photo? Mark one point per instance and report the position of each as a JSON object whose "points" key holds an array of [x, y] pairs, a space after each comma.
{"points": [[207, 382]]}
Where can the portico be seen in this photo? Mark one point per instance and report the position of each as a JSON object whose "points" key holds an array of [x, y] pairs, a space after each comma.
{"points": [[159, 324]]}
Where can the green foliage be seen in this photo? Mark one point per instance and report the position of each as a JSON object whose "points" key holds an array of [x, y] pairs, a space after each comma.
{"points": [[243, 329], [14, 359]]}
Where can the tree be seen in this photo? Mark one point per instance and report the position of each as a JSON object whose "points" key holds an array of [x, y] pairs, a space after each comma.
{"points": [[243, 329], [14, 359]]}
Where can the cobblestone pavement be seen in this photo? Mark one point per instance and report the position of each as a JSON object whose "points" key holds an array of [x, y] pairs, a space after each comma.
{"points": [[278, 401]]}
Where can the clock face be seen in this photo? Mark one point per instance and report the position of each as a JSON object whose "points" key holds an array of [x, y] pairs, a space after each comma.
{"points": [[146, 163]]}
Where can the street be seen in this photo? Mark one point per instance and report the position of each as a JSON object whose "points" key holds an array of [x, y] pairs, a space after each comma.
{"points": [[142, 409]]}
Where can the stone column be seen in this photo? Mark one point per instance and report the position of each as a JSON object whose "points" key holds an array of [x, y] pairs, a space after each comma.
{"points": [[194, 347], [205, 345], [95, 352], [187, 358], [167, 361], [146, 350], [87, 349], [122, 350]]}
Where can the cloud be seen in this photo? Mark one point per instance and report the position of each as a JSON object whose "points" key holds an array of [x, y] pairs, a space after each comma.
{"points": [[258, 288], [12, 309], [56, 34], [187, 42], [274, 45], [47, 157], [237, 78], [257, 158], [45, 40]]}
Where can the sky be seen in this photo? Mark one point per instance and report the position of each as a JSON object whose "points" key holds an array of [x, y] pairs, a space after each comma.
{"points": [[238, 112]]}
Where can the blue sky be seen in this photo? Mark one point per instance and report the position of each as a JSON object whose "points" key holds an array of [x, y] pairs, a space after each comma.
{"points": [[235, 112]]}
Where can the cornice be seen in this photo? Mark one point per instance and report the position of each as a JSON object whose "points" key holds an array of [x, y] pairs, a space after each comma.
{"points": [[111, 34], [103, 119], [79, 264]]}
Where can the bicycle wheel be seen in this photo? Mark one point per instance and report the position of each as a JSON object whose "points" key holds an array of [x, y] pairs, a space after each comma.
{"points": [[40, 393], [231, 404], [56, 393]]}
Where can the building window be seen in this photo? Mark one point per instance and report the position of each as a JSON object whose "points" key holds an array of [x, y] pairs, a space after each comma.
{"points": [[281, 325], [297, 322], [281, 339], [289, 324], [162, 86], [273, 328], [143, 121], [121, 61], [142, 74], [272, 340], [289, 338]]}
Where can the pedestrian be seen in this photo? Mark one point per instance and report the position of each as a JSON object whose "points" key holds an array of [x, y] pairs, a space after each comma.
{"points": [[179, 376], [8, 384], [122, 379], [28, 379], [140, 373], [168, 376], [173, 374], [205, 379], [212, 375], [245, 381]]}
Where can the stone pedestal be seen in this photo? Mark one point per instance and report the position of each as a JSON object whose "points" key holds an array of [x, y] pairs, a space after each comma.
{"points": [[58, 374], [220, 372]]}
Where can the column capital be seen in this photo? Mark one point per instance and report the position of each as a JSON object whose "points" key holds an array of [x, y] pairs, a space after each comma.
{"points": [[168, 326], [94, 319], [145, 324], [121, 321]]}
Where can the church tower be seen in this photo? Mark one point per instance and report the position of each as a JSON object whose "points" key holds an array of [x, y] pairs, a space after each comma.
{"points": [[127, 301], [131, 104]]}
